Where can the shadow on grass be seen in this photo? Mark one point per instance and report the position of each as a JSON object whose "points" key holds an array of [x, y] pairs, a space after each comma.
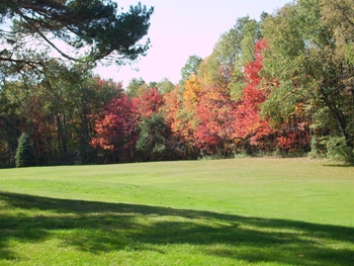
{"points": [[339, 165], [97, 227]]}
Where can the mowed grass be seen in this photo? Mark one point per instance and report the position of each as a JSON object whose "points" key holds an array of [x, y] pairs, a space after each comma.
{"points": [[224, 212]]}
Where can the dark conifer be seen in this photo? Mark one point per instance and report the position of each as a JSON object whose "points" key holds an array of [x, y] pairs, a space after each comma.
{"points": [[25, 154]]}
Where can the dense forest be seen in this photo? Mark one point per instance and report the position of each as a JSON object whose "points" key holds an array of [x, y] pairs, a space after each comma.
{"points": [[281, 85]]}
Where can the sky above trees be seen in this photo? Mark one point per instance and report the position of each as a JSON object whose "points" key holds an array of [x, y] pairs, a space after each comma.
{"points": [[183, 28]]}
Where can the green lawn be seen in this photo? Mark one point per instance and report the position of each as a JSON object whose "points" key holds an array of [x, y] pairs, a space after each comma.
{"points": [[224, 212]]}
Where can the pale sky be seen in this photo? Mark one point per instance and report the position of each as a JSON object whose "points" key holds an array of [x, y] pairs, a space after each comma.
{"points": [[181, 28]]}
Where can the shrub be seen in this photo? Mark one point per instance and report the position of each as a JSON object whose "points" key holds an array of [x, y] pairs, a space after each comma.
{"points": [[338, 150]]}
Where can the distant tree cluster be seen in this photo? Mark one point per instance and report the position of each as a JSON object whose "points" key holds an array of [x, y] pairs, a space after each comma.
{"points": [[282, 85]]}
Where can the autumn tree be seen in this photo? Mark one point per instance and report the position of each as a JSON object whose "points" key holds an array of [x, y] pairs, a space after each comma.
{"points": [[116, 129], [188, 121], [149, 102], [173, 104], [180, 115], [310, 52], [257, 132], [180, 106], [215, 130], [249, 123], [192, 90], [171, 107]]}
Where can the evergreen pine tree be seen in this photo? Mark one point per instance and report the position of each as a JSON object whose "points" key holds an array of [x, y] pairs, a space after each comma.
{"points": [[25, 154]]}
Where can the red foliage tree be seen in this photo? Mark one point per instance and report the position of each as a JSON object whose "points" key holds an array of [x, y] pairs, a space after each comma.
{"points": [[150, 102], [249, 123], [291, 136], [295, 134], [115, 129], [216, 113]]}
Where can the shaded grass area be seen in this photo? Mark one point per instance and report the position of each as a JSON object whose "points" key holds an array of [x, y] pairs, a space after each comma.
{"points": [[34, 229]]}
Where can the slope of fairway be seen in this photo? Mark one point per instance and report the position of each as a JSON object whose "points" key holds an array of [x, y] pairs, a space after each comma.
{"points": [[298, 189], [226, 212]]}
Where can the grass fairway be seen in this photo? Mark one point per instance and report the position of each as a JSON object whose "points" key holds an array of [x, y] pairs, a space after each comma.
{"points": [[227, 212]]}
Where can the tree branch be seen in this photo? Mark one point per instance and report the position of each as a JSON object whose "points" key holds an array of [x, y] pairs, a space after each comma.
{"points": [[29, 21]]}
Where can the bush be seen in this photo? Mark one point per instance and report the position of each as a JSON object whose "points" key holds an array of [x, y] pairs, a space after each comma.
{"points": [[25, 154], [338, 150]]}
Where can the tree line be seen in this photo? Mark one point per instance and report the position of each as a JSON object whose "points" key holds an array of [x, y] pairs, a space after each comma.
{"points": [[282, 85]]}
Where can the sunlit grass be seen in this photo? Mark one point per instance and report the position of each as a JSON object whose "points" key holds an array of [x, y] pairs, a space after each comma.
{"points": [[229, 212]]}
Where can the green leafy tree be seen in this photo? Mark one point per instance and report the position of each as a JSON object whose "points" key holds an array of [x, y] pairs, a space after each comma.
{"points": [[152, 84], [246, 32], [25, 155], [165, 86], [191, 67], [134, 87], [224, 67]]}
